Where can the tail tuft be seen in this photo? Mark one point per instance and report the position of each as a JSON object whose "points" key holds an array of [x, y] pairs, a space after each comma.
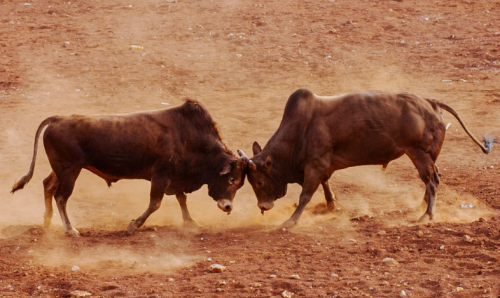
{"points": [[21, 183], [488, 140]]}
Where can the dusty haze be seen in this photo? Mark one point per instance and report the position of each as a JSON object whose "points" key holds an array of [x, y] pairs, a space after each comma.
{"points": [[242, 59]]}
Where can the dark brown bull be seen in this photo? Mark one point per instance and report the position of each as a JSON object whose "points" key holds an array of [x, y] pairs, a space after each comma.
{"points": [[177, 149], [320, 135]]}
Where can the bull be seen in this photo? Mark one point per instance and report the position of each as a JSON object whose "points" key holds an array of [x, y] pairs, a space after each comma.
{"points": [[178, 149], [319, 135]]}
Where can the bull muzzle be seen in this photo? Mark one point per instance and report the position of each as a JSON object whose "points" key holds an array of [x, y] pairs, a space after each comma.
{"points": [[225, 205], [265, 206]]}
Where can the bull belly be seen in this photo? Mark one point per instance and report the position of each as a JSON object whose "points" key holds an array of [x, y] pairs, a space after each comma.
{"points": [[117, 174], [354, 158]]}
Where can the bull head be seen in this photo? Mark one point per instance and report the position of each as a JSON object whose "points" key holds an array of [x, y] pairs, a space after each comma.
{"points": [[265, 180], [231, 178]]}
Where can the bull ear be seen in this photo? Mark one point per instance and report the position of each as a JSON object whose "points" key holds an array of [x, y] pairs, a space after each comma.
{"points": [[269, 163], [226, 169], [256, 148]]}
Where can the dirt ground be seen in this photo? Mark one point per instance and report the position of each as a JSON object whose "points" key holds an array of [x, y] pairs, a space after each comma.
{"points": [[243, 59]]}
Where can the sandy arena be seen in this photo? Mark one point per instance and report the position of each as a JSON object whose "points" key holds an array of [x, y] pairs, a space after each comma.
{"points": [[242, 59]]}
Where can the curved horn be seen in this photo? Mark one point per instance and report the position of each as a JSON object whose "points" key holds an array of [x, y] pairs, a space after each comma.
{"points": [[252, 165], [242, 155]]}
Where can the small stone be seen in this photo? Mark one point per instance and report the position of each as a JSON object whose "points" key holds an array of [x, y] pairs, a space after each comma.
{"points": [[458, 289], [284, 229], [403, 293], [209, 259], [78, 293], [257, 285], [390, 261], [348, 22], [216, 268], [385, 283], [381, 233], [353, 240], [286, 294], [218, 290], [75, 268], [294, 276], [334, 275], [170, 279], [272, 276], [482, 219], [420, 234], [467, 238], [441, 247], [221, 283]]}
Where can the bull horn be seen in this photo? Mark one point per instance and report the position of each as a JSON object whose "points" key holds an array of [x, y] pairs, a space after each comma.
{"points": [[252, 165], [242, 155]]}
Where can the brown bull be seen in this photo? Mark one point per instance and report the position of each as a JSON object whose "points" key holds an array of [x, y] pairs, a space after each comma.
{"points": [[319, 135], [177, 149]]}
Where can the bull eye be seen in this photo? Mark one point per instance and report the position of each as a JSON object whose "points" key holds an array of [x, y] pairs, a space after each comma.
{"points": [[231, 179], [260, 183]]}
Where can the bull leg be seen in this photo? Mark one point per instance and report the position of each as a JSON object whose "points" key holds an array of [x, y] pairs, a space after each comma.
{"points": [[67, 179], [158, 186], [428, 174], [311, 183], [436, 175], [188, 220], [425, 203], [329, 196], [49, 187], [431, 189]]}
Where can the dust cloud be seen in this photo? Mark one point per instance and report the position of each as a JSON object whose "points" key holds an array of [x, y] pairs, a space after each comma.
{"points": [[112, 258]]}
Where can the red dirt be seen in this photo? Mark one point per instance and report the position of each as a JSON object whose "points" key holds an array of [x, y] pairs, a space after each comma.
{"points": [[243, 59]]}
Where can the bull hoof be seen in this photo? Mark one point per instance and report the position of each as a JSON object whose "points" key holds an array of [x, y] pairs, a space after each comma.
{"points": [[289, 223], [191, 224], [47, 222], [131, 228], [426, 218], [330, 207], [73, 232]]}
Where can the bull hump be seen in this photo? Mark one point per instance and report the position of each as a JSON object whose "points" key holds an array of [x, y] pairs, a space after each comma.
{"points": [[299, 102]]}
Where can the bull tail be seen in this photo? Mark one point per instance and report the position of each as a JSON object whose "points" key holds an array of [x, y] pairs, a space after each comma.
{"points": [[488, 138], [26, 178]]}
